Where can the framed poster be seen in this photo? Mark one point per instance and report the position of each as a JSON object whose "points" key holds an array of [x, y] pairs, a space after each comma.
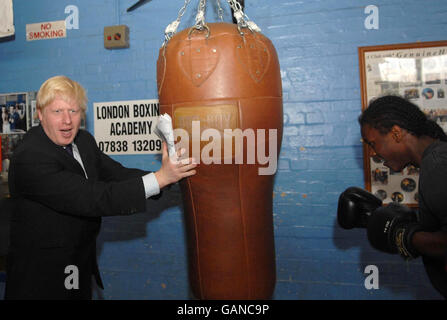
{"points": [[417, 72], [14, 109], [15, 120]]}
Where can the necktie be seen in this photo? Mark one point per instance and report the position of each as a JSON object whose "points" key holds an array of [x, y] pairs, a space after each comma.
{"points": [[69, 149]]}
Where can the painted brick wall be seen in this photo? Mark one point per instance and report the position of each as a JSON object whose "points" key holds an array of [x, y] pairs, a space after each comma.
{"points": [[144, 256]]}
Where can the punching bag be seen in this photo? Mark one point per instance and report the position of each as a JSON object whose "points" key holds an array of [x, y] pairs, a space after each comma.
{"points": [[211, 82]]}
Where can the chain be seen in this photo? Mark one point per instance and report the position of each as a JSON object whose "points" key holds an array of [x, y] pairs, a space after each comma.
{"points": [[200, 17], [243, 21], [235, 5], [182, 10], [171, 29], [220, 10], [237, 9]]}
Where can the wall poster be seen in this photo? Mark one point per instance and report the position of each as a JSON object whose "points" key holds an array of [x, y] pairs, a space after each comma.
{"points": [[16, 118], [127, 127]]}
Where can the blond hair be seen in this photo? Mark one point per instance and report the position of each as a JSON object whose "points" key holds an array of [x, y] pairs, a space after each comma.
{"points": [[64, 88]]}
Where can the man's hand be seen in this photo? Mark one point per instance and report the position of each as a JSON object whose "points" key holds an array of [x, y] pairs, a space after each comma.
{"points": [[172, 170]]}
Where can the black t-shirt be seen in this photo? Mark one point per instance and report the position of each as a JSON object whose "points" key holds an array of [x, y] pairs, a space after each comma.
{"points": [[433, 206]]}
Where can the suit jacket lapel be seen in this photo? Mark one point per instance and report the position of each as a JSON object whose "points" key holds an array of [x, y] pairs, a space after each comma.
{"points": [[61, 153], [87, 156]]}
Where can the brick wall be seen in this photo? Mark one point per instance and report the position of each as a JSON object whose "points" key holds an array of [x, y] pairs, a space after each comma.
{"points": [[143, 256]]}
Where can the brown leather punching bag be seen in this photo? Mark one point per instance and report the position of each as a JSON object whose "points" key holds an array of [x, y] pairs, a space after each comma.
{"points": [[225, 80]]}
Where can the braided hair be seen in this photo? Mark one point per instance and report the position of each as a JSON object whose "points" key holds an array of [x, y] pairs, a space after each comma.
{"points": [[387, 111]]}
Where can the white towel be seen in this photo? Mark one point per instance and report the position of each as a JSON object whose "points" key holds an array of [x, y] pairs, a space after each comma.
{"points": [[165, 132]]}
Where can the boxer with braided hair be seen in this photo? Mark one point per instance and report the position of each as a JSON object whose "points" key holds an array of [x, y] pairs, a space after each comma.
{"points": [[397, 131]]}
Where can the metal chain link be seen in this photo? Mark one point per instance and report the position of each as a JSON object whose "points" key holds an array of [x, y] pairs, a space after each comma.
{"points": [[171, 29], [200, 17], [237, 9], [235, 5], [243, 21], [183, 10], [219, 10]]}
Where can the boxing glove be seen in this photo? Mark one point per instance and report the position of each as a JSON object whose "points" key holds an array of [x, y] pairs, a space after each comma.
{"points": [[355, 205], [391, 228]]}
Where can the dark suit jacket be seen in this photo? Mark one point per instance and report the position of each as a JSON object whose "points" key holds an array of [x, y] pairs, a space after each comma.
{"points": [[58, 213]]}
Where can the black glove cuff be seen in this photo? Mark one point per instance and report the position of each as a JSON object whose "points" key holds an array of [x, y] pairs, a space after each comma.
{"points": [[403, 237]]}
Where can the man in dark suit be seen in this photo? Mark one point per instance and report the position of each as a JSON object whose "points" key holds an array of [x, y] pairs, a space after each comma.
{"points": [[62, 185]]}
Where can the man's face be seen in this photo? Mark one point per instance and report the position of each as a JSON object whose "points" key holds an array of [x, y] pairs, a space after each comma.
{"points": [[388, 147], [60, 121]]}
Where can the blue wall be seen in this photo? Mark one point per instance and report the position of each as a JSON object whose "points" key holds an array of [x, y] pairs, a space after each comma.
{"points": [[143, 256]]}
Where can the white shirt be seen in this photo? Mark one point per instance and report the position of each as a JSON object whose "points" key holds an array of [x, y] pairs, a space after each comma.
{"points": [[151, 186]]}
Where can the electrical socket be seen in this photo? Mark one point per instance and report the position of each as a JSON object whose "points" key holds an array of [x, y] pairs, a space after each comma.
{"points": [[116, 37]]}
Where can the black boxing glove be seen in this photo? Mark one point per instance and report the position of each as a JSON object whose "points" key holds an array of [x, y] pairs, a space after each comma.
{"points": [[355, 205], [391, 229]]}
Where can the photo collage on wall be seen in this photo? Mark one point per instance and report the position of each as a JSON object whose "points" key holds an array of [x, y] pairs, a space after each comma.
{"points": [[419, 75], [17, 113]]}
